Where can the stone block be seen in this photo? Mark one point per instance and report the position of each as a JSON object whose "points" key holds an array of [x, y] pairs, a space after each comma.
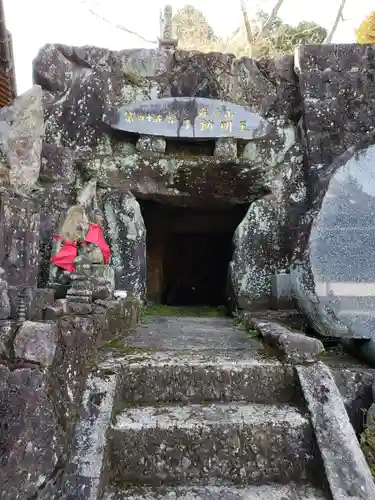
{"points": [[20, 222], [115, 318], [33, 441], [127, 234], [36, 342], [79, 339], [299, 348], [296, 347], [85, 474]]}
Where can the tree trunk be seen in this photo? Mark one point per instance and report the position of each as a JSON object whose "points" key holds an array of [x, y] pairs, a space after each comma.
{"points": [[247, 24], [336, 23]]}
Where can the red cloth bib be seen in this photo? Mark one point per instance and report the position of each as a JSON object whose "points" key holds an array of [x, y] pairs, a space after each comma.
{"points": [[66, 255], [95, 236]]}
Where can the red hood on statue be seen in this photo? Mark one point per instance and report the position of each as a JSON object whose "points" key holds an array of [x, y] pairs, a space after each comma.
{"points": [[95, 236], [66, 255]]}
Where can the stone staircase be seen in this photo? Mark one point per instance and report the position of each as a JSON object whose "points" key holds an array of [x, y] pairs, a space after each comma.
{"points": [[203, 413]]}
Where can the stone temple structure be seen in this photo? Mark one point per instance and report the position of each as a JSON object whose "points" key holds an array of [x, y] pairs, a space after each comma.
{"points": [[218, 181], [217, 197]]}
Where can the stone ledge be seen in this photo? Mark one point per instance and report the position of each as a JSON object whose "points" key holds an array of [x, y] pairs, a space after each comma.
{"points": [[345, 465]]}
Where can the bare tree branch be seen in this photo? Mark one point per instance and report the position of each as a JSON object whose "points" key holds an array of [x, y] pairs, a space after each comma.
{"points": [[339, 16], [264, 29], [116, 25], [266, 26]]}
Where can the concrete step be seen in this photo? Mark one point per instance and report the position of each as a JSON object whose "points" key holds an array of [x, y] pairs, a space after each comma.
{"points": [[268, 492], [197, 444], [164, 377]]}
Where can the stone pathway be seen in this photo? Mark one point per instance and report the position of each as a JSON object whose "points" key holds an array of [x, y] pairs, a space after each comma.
{"points": [[204, 414]]}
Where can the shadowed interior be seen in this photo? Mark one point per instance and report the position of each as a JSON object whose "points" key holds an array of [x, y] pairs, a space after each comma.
{"points": [[188, 251]]}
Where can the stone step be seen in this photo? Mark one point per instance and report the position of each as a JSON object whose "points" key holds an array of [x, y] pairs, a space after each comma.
{"points": [[267, 492], [164, 377], [197, 444]]}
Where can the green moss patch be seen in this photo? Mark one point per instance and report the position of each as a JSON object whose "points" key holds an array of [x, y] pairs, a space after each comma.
{"points": [[159, 310]]}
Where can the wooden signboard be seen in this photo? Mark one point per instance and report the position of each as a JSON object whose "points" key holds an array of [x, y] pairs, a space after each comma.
{"points": [[187, 117]]}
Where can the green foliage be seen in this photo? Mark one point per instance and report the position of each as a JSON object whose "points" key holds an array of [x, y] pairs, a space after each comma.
{"points": [[366, 32], [368, 444], [194, 33]]}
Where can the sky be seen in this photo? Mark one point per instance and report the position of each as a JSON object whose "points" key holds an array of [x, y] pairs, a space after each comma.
{"points": [[37, 22]]}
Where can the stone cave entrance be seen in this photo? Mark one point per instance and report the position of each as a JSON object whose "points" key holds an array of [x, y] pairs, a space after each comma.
{"points": [[188, 252]]}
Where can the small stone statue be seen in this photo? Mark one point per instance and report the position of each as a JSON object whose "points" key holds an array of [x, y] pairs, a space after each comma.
{"points": [[4, 297], [70, 229], [167, 41], [167, 23]]}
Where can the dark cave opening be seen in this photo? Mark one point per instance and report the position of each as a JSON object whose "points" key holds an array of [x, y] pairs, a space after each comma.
{"points": [[188, 251]]}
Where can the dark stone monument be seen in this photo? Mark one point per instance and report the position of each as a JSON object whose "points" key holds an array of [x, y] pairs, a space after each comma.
{"points": [[187, 117], [341, 250]]}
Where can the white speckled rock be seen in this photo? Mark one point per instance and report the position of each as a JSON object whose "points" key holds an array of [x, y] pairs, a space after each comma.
{"points": [[256, 254]]}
